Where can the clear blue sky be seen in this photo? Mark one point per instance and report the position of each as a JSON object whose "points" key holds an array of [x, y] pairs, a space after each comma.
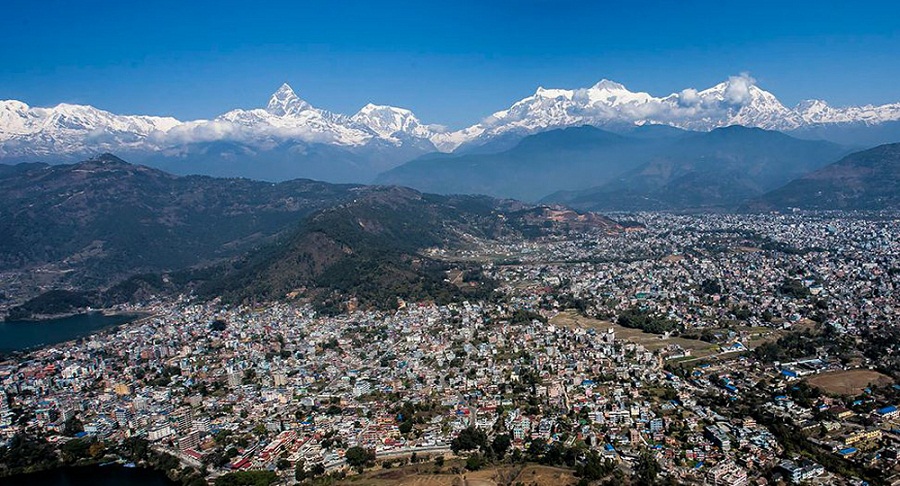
{"points": [[451, 62]]}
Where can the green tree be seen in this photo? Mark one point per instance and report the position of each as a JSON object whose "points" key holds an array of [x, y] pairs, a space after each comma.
{"points": [[500, 445], [475, 462], [300, 471], [247, 478], [358, 457], [647, 469], [468, 439]]}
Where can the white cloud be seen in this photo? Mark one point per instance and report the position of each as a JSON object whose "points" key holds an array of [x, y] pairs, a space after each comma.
{"points": [[688, 97], [737, 89]]}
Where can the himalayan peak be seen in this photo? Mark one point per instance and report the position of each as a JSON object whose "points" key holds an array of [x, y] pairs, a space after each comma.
{"points": [[69, 129]]}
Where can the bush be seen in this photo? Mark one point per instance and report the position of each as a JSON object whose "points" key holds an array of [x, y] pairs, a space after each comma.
{"points": [[475, 462]]}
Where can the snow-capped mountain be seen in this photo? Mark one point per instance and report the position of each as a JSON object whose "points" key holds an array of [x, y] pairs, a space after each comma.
{"points": [[737, 101], [288, 120], [287, 116], [819, 112], [390, 122], [78, 129], [69, 128]]}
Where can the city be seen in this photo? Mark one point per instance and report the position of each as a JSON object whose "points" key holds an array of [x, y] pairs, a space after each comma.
{"points": [[693, 349]]}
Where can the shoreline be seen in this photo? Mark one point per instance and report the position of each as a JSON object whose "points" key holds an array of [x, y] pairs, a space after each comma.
{"points": [[38, 318], [50, 317], [129, 316]]}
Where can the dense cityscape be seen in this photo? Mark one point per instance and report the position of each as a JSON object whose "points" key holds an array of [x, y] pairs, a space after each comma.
{"points": [[685, 349]]}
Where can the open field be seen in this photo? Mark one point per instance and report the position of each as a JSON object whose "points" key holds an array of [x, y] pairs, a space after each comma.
{"points": [[850, 382], [760, 335], [699, 349], [427, 474]]}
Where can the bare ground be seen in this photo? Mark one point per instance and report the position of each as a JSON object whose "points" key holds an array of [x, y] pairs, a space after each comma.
{"points": [[650, 341], [850, 382]]}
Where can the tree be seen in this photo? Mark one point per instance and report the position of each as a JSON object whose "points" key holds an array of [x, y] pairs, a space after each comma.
{"points": [[75, 449], [475, 462], [247, 478], [647, 469], [536, 449], [358, 457], [300, 471], [317, 470], [469, 439], [73, 426], [136, 448], [593, 467], [500, 445], [406, 427]]}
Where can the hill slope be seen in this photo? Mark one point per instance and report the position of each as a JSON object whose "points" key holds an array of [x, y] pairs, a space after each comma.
{"points": [[719, 169], [372, 248], [104, 231], [646, 167], [569, 158], [867, 180], [94, 222]]}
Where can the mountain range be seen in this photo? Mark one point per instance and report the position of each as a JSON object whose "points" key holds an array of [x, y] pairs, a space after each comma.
{"points": [[290, 138], [104, 231], [109, 231], [650, 167]]}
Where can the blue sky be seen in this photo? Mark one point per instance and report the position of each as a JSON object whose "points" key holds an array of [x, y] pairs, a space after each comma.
{"points": [[451, 62]]}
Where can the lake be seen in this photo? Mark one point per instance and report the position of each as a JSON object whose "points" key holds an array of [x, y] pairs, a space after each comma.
{"points": [[21, 335], [91, 476]]}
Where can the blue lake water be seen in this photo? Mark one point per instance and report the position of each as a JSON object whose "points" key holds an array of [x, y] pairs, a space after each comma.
{"points": [[20, 335]]}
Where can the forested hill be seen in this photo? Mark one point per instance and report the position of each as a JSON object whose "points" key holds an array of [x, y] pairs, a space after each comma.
{"points": [[115, 232], [370, 249], [866, 180]]}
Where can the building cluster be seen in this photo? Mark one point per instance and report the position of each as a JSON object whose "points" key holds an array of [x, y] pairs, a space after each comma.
{"points": [[278, 386]]}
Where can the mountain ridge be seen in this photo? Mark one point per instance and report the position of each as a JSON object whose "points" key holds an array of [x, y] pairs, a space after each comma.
{"points": [[563, 165], [112, 232], [864, 180], [289, 125]]}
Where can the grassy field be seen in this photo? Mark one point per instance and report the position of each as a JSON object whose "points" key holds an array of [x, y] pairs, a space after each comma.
{"points": [[652, 342], [850, 382], [453, 474]]}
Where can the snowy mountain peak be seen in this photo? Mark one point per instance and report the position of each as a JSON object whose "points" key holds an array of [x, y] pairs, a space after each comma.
{"points": [[372, 108], [34, 132], [736, 91], [389, 121], [542, 92], [284, 102], [605, 84], [811, 105]]}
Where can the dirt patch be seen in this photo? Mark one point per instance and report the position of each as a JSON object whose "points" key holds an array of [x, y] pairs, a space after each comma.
{"points": [[650, 341], [850, 382], [545, 476], [425, 475], [430, 480]]}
